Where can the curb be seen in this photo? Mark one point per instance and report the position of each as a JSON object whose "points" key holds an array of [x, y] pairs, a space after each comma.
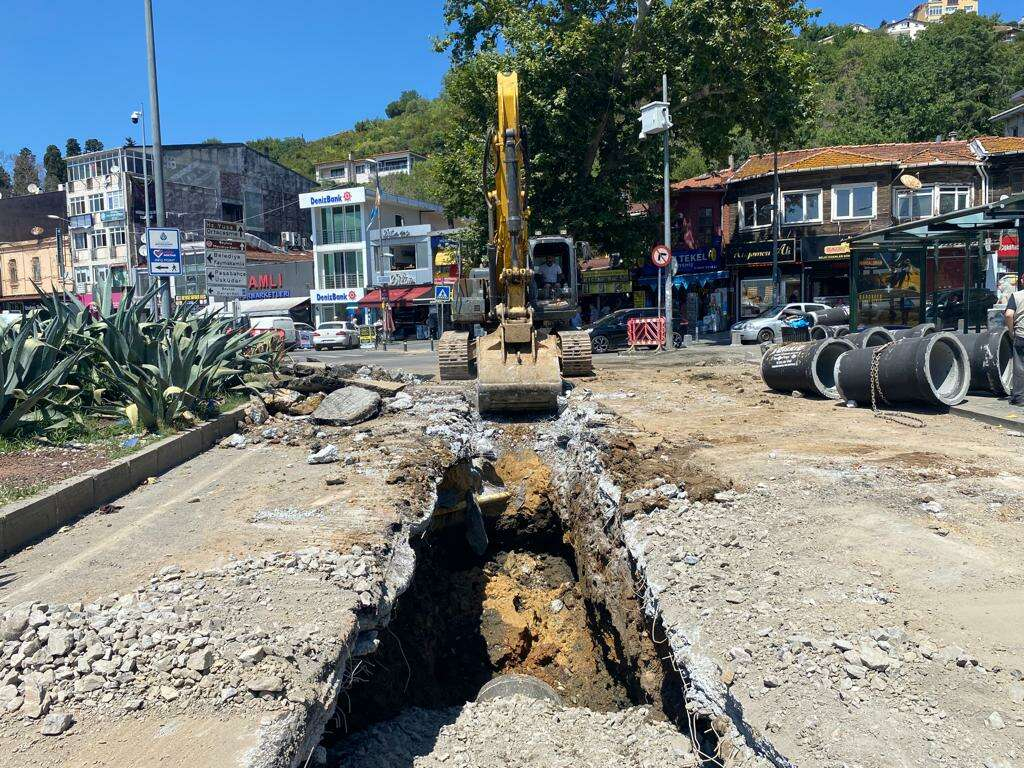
{"points": [[990, 419], [28, 520]]}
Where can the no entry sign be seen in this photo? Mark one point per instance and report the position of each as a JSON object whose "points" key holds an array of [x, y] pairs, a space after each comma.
{"points": [[661, 256]]}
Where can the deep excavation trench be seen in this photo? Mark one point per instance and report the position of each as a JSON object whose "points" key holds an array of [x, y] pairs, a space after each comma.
{"points": [[541, 600]]}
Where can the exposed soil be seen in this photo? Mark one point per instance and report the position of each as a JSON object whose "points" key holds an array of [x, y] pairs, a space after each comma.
{"points": [[36, 468]]}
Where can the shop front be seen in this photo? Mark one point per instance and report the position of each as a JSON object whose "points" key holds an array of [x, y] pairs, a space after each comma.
{"points": [[408, 306], [751, 267], [826, 260], [702, 281], [603, 291]]}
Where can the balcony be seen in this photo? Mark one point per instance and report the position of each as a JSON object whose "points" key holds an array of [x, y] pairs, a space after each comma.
{"points": [[329, 282], [336, 236]]}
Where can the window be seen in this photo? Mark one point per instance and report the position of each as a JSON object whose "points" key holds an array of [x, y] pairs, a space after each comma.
{"points": [[361, 169], [801, 207], [341, 224], [394, 165], [117, 236], [755, 212], [12, 270], [231, 211], [705, 225], [83, 278], [342, 269], [914, 204], [115, 200], [98, 239], [96, 202], [37, 270], [953, 199], [102, 273], [1016, 182], [854, 201], [338, 173], [76, 206], [79, 241], [399, 220]]}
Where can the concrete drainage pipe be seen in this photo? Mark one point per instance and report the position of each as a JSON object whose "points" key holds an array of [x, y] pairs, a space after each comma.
{"points": [[807, 367], [522, 685], [819, 332], [932, 370], [924, 329], [991, 356], [875, 336]]}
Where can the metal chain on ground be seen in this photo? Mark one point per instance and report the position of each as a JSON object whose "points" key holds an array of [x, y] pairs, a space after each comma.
{"points": [[902, 419]]}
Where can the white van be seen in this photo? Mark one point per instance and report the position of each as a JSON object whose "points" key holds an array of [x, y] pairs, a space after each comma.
{"points": [[283, 324]]}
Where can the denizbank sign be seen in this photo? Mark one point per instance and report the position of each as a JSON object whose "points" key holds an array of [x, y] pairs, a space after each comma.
{"points": [[350, 196], [338, 296]]}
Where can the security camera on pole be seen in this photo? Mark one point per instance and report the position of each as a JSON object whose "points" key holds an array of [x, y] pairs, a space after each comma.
{"points": [[654, 119]]}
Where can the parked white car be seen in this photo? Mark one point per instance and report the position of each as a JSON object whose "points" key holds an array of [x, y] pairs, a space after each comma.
{"points": [[768, 325], [342, 334]]}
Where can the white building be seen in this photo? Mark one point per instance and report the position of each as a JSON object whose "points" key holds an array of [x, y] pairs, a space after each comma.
{"points": [[362, 172], [905, 28], [348, 259], [1012, 118], [103, 190]]}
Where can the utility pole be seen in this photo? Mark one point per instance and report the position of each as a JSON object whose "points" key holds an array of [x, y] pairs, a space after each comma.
{"points": [[671, 271], [776, 230], [158, 150]]}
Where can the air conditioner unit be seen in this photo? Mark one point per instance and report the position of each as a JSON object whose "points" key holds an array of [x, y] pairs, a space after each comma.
{"points": [[294, 239]]}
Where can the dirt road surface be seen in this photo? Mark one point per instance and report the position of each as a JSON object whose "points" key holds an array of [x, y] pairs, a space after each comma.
{"points": [[860, 586]]}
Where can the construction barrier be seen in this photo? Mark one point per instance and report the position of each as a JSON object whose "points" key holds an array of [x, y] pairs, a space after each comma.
{"points": [[646, 331]]}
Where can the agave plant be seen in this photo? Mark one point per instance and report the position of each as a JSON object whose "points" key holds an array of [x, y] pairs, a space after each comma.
{"points": [[34, 367]]}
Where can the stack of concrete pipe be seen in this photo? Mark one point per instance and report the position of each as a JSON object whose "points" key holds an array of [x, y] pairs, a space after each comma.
{"points": [[991, 356], [827, 323], [930, 369]]}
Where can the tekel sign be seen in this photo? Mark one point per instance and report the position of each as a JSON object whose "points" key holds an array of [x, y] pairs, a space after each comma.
{"points": [[661, 256], [164, 245]]}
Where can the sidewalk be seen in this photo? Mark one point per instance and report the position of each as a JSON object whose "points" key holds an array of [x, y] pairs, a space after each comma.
{"points": [[990, 410]]}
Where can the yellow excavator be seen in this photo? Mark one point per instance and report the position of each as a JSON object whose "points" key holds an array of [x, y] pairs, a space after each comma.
{"points": [[528, 344]]}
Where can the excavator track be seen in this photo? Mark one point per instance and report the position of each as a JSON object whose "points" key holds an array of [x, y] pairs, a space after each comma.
{"points": [[453, 357], [576, 353]]}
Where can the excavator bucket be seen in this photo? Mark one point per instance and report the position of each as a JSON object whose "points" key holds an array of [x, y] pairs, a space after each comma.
{"points": [[517, 380]]}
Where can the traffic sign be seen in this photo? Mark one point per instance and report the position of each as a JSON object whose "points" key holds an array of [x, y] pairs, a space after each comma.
{"points": [[224, 230], [661, 256], [225, 259], [164, 246], [442, 294], [226, 291], [226, 276]]}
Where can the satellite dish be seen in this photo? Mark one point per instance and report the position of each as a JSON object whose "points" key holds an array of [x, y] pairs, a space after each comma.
{"points": [[33, 189], [37, 231], [910, 182]]}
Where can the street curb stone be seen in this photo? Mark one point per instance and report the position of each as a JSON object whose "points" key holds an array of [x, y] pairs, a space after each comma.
{"points": [[28, 520]]}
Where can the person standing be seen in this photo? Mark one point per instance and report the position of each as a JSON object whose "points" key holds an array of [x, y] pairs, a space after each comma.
{"points": [[1014, 318]]}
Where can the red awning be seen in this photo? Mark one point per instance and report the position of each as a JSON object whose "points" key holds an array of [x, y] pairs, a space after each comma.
{"points": [[396, 296]]}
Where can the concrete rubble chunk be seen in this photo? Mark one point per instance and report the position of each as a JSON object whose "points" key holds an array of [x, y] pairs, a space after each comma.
{"points": [[200, 661], [59, 643], [14, 624], [88, 684], [326, 455], [252, 655], [347, 407], [875, 658], [265, 684], [56, 723]]}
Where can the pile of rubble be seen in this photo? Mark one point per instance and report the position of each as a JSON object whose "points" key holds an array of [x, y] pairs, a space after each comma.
{"points": [[517, 731], [181, 639]]}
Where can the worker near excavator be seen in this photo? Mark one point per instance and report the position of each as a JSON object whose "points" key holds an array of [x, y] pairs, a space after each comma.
{"points": [[550, 277], [1014, 319]]}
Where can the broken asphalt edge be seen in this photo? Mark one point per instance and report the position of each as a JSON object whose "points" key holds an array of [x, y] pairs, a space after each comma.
{"points": [[29, 520]]}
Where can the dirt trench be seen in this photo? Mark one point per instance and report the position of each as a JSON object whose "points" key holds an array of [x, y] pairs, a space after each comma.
{"points": [[547, 591]]}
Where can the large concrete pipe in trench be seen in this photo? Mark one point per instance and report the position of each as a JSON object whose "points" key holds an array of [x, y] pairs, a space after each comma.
{"points": [[875, 336], [807, 367], [932, 370], [991, 356], [924, 329], [518, 685]]}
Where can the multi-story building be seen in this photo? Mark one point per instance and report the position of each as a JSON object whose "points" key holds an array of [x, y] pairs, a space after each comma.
{"points": [[351, 257], [1012, 119], [33, 246], [363, 171], [935, 10], [908, 27], [230, 182], [828, 194]]}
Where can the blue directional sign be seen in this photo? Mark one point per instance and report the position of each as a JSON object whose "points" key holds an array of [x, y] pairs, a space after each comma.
{"points": [[443, 294], [164, 246]]}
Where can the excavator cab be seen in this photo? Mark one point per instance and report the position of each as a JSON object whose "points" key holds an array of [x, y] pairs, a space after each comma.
{"points": [[529, 287]]}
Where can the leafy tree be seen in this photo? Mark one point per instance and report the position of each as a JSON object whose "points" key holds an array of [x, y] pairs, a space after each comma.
{"points": [[584, 70], [93, 145], [129, 141], [72, 148], [5, 181], [409, 100], [26, 172], [56, 168]]}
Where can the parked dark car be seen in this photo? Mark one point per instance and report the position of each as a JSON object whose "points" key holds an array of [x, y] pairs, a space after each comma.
{"points": [[610, 332], [950, 304]]}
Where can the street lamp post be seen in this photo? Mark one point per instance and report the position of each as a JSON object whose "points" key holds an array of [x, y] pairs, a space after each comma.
{"points": [[158, 151], [59, 233], [139, 118]]}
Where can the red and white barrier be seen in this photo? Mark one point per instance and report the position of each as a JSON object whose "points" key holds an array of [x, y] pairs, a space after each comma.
{"points": [[646, 331]]}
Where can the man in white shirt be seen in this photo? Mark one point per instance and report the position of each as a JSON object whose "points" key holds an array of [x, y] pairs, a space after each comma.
{"points": [[550, 277], [1014, 318]]}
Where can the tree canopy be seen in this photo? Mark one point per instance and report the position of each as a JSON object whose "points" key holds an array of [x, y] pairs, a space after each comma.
{"points": [[93, 145], [56, 168], [26, 172]]}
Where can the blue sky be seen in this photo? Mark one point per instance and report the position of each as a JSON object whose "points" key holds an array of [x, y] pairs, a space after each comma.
{"points": [[238, 70]]}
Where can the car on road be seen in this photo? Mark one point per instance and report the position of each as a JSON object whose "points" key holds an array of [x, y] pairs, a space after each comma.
{"points": [[610, 332], [283, 325], [336, 334], [767, 326], [305, 333]]}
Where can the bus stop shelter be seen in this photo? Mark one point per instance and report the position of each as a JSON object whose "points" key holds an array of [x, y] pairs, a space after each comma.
{"points": [[945, 269]]}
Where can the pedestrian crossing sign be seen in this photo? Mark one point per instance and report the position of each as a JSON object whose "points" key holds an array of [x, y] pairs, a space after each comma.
{"points": [[443, 294]]}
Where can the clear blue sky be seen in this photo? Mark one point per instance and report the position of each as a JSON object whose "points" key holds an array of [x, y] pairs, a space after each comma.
{"points": [[238, 70]]}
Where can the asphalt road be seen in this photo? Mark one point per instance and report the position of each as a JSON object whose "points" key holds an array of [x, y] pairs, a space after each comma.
{"points": [[412, 356]]}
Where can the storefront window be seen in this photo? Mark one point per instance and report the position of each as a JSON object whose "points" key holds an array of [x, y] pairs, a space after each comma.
{"points": [[757, 294], [756, 212]]}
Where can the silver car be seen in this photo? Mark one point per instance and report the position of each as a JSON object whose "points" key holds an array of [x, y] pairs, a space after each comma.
{"points": [[767, 326], [337, 333]]}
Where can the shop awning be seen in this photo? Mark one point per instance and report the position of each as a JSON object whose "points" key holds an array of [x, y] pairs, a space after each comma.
{"points": [[398, 297]]}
